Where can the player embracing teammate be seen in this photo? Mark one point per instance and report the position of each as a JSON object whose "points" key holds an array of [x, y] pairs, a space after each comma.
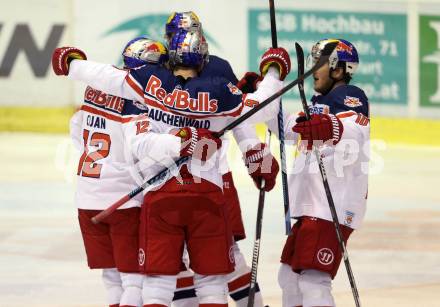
{"points": [[188, 209], [208, 200]]}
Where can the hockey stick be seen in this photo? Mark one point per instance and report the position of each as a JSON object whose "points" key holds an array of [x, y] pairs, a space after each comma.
{"points": [[166, 170], [288, 224], [256, 250], [300, 58]]}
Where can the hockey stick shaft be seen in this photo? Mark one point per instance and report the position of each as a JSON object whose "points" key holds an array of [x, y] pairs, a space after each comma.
{"points": [[273, 24], [162, 174], [323, 59], [99, 217], [258, 230], [256, 250], [284, 183], [300, 58]]}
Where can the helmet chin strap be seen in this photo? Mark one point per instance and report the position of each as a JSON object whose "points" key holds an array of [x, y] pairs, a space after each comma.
{"points": [[332, 85], [329, 88]]}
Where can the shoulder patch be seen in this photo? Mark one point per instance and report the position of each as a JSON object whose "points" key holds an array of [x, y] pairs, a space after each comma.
{"points": [[140, 105], [352, 102], [233, 89], [319, 109]]}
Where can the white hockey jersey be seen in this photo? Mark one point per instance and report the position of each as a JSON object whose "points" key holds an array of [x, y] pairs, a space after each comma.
{"points": [[106, 171], [346, 163]]}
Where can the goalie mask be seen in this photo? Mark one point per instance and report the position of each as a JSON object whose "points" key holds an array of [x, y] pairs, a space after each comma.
{"points": [[345, 56], [142, 50], [188, 49]]}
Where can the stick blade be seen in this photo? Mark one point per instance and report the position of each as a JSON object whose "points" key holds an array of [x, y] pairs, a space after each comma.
{"points": [[300, 58]]}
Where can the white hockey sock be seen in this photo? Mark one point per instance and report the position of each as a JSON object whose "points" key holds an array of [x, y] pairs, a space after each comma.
{"points": [[132, 285], [113, 285], [158, 289], [316, 288], [211, 289], [288, 281]]}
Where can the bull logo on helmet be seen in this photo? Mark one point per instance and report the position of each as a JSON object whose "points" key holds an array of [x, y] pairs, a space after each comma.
{"points": [[344, 47], [153, 47]]}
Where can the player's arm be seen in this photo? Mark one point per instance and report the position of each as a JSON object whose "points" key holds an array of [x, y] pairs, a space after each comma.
{"points": [[104, 77], [75, 130], [146, 140], [289, 121], [245, 136], [72, 62], [274, 67], [356, 126]]}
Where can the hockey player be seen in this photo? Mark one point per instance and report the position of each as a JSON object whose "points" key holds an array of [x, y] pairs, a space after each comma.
{"points": [[158, 90], [339, 127], [239, 280], [104, 174]]}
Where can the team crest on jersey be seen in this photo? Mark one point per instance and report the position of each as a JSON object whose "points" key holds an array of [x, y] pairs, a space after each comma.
{"points": [[319, 109], [348, 218], [179, 99], [352, 102], [233, 89]]}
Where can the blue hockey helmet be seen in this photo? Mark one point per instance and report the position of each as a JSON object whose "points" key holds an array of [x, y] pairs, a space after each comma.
{"points": [[188, 48], [142, 50], [188, 21], [345, 55]]}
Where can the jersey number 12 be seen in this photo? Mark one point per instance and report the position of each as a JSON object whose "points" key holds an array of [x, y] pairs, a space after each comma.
{"points": [[88, 166]]}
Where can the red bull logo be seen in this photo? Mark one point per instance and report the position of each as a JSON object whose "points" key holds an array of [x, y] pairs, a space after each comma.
{"points": [[344, 47], [180, 99], [102, 99], [153, 47]]}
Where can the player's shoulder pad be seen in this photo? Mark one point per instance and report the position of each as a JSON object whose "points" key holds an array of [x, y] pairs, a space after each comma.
{"points": [[217, 66], [224, 91], [344, 98], [144, 72]]}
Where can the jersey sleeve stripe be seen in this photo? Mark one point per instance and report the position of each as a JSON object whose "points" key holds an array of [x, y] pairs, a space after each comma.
{"points": [[134, 85], [346, 114]]}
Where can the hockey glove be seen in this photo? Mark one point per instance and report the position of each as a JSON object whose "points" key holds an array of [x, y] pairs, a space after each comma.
{"points": [[248, 84], [262, 165], [321, 127], [278, 57], [62, 57], [199, 143]]}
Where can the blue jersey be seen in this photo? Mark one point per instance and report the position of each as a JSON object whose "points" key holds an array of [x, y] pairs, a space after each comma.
{"points": [[217, 66], [197, 97], [344, 98]]}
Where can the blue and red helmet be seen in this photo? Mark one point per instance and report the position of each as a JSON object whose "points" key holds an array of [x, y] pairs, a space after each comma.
{"points": [[187, 48], [143, 50], [188, 21], [345, 55]]}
